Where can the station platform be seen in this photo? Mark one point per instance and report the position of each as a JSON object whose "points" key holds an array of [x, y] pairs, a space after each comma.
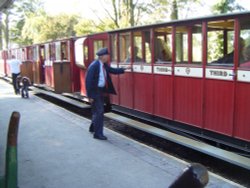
{"points": [[55, 150]]}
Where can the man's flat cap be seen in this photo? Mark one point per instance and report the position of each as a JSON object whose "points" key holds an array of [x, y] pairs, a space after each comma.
{"points": [[102, 51]]}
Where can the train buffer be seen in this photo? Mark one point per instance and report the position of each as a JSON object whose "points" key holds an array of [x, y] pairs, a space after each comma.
{"points": [[55, 150]]}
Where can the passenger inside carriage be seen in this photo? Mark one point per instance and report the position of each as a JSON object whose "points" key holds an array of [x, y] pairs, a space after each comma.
{"points": [[229, 58], [136, 58], [162, 53], [246, 56]]}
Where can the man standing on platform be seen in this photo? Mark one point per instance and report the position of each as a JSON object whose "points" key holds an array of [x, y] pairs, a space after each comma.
{"points": [[99, 83], [15, 71]]}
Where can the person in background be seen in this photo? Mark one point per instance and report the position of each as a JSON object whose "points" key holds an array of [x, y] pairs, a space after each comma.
{"points": [[15, 71], [246, 60], [25, 87], [98, 83], [229, 58], [162, 53], [136, 59]]}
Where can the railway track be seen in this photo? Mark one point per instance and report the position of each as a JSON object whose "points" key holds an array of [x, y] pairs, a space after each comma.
{"points": [[230, 165]]}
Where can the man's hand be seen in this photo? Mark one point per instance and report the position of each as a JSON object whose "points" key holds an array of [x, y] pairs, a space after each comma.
{"points": [[91, 100]]}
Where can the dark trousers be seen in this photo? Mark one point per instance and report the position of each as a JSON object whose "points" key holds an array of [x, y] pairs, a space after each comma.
{"points": [[14, 82], [25, 91], [97, 113]]}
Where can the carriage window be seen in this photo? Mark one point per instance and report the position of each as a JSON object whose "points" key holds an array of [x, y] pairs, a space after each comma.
{"points": [[138, 48], [58, 50], [114, 48], [19, 54], [220, 41], [30, 55], [97, 45], [196, 44], [163, 45], [147, 46], [124, 46], [42, 53], [142, 47], [52, 52], [47, 52], [244, 54], [35, 53], [86, 52], [65, 51], [24, 54], [181, 43], [79, 49]]}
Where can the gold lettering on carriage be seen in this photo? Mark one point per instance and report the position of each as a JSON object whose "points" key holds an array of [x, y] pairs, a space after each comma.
{"points": [[218, 73], [162, 69]]}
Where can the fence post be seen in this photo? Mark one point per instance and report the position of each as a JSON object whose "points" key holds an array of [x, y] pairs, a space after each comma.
{"points": [[195, 176]]}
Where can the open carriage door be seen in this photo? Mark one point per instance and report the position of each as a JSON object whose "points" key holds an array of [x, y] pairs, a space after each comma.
{"points": [[85, 50], [95, 43]]}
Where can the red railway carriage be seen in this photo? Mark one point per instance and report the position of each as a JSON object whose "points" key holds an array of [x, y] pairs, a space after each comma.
{"points": [[7, 57], [195, 72], [37, 55], [66, 73], [27, 65], [3, 63], [60, 70]]}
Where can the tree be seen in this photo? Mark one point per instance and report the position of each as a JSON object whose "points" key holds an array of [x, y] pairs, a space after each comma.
{"points": [[5, 28], [42, 27], [87, 26], [124, 13], [173, 9], [226, 6], [20, 12], [14, 19]]}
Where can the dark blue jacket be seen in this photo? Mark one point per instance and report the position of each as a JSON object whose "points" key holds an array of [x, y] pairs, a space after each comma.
{"points": [[92, 78]]}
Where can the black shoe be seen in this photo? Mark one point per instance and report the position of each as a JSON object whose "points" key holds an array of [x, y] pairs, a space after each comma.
{"points": [[100, 137], [91, 128]]}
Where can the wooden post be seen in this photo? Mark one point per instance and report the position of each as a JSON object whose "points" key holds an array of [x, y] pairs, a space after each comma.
{"points": [[10, 180]]}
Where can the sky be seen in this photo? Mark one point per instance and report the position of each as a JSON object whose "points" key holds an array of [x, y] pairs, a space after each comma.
{"points": [[86, 8]]}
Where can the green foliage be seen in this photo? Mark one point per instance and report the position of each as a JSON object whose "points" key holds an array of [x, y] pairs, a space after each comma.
{"points": [[20, 11], [173, 9], [87, 26], [226, 6], [124, 13], [215, 45], [42, 27]]}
